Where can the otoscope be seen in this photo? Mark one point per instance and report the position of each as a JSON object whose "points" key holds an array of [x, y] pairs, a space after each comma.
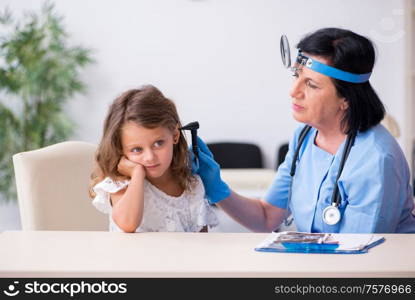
{"points": [[193, 127]]}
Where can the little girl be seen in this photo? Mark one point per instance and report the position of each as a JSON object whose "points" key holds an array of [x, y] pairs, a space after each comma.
{"points": [[143, 178]]}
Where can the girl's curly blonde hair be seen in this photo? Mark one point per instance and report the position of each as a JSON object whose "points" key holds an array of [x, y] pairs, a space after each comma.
{"points": [[148, 107]]}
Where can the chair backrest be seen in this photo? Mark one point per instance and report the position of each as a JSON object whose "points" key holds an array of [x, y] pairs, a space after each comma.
{"points": [[391, 125], [236, 155], [281, 153], [52, 188]]}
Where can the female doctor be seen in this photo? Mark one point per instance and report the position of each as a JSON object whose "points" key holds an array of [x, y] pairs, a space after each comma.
{"points": [[343, 172]]}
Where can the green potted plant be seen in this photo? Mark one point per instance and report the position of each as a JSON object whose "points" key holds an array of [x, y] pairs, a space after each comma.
{"points": [[39, 73]]}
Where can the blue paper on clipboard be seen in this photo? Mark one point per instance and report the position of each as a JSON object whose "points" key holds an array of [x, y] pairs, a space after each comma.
{"points": [[326, 243]]}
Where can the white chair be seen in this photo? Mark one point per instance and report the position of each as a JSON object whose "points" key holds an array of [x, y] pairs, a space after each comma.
{"points": [[52, 188], [390, 124]]}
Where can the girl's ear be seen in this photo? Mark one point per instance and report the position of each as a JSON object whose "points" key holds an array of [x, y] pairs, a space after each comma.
{"points": [[176, 135]]}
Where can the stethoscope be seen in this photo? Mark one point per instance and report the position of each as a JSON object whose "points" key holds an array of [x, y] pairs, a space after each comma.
{"points": [[331, 214]]}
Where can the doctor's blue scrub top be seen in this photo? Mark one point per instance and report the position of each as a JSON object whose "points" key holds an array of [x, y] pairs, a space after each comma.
{"points": [[375, 190]]}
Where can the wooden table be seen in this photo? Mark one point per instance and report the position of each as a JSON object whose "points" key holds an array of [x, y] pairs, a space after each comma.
{"points": [[108, 254]]}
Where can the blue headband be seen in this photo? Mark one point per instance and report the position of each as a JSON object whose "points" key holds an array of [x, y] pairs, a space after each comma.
{"points": [[331, 71]]}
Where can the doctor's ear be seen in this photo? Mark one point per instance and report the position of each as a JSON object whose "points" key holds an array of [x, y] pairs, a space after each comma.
{"points": [[345, 104]]}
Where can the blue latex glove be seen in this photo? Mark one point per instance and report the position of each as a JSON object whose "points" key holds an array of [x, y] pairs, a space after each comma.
{"points": [[209, 171]]}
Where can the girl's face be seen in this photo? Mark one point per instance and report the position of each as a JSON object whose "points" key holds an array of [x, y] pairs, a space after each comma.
{"points": [[152, 148], [315, 101]]}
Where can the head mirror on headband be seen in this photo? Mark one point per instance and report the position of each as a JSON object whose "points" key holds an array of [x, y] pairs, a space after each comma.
{"points": [[285, 51], [317, 66]]}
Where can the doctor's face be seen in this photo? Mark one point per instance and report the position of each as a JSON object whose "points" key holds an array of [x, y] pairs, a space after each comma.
{"points": [[315, 101]]}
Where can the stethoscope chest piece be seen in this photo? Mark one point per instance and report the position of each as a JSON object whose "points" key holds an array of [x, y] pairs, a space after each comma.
{"points": [[331, 215]]}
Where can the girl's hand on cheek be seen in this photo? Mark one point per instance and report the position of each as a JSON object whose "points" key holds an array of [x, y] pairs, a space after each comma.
{"points": [[129, 168]]}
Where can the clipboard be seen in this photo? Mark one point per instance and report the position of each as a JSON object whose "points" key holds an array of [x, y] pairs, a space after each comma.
{"points": [[323, 243]]}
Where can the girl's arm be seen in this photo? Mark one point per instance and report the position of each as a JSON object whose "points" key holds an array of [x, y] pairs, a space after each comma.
{"points": [[128, 204]]}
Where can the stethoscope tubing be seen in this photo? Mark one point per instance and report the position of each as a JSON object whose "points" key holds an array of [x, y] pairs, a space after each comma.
{"points": [[336, 198]]}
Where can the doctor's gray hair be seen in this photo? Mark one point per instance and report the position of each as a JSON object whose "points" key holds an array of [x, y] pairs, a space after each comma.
{"points": [[352, 53]]}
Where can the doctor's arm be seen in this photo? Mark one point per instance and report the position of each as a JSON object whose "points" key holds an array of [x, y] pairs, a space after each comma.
{"points": [[269, 213], [255, 214], [375, 197]]}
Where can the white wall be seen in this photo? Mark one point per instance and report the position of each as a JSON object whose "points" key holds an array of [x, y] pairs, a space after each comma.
{"points": [[219, 59]]}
